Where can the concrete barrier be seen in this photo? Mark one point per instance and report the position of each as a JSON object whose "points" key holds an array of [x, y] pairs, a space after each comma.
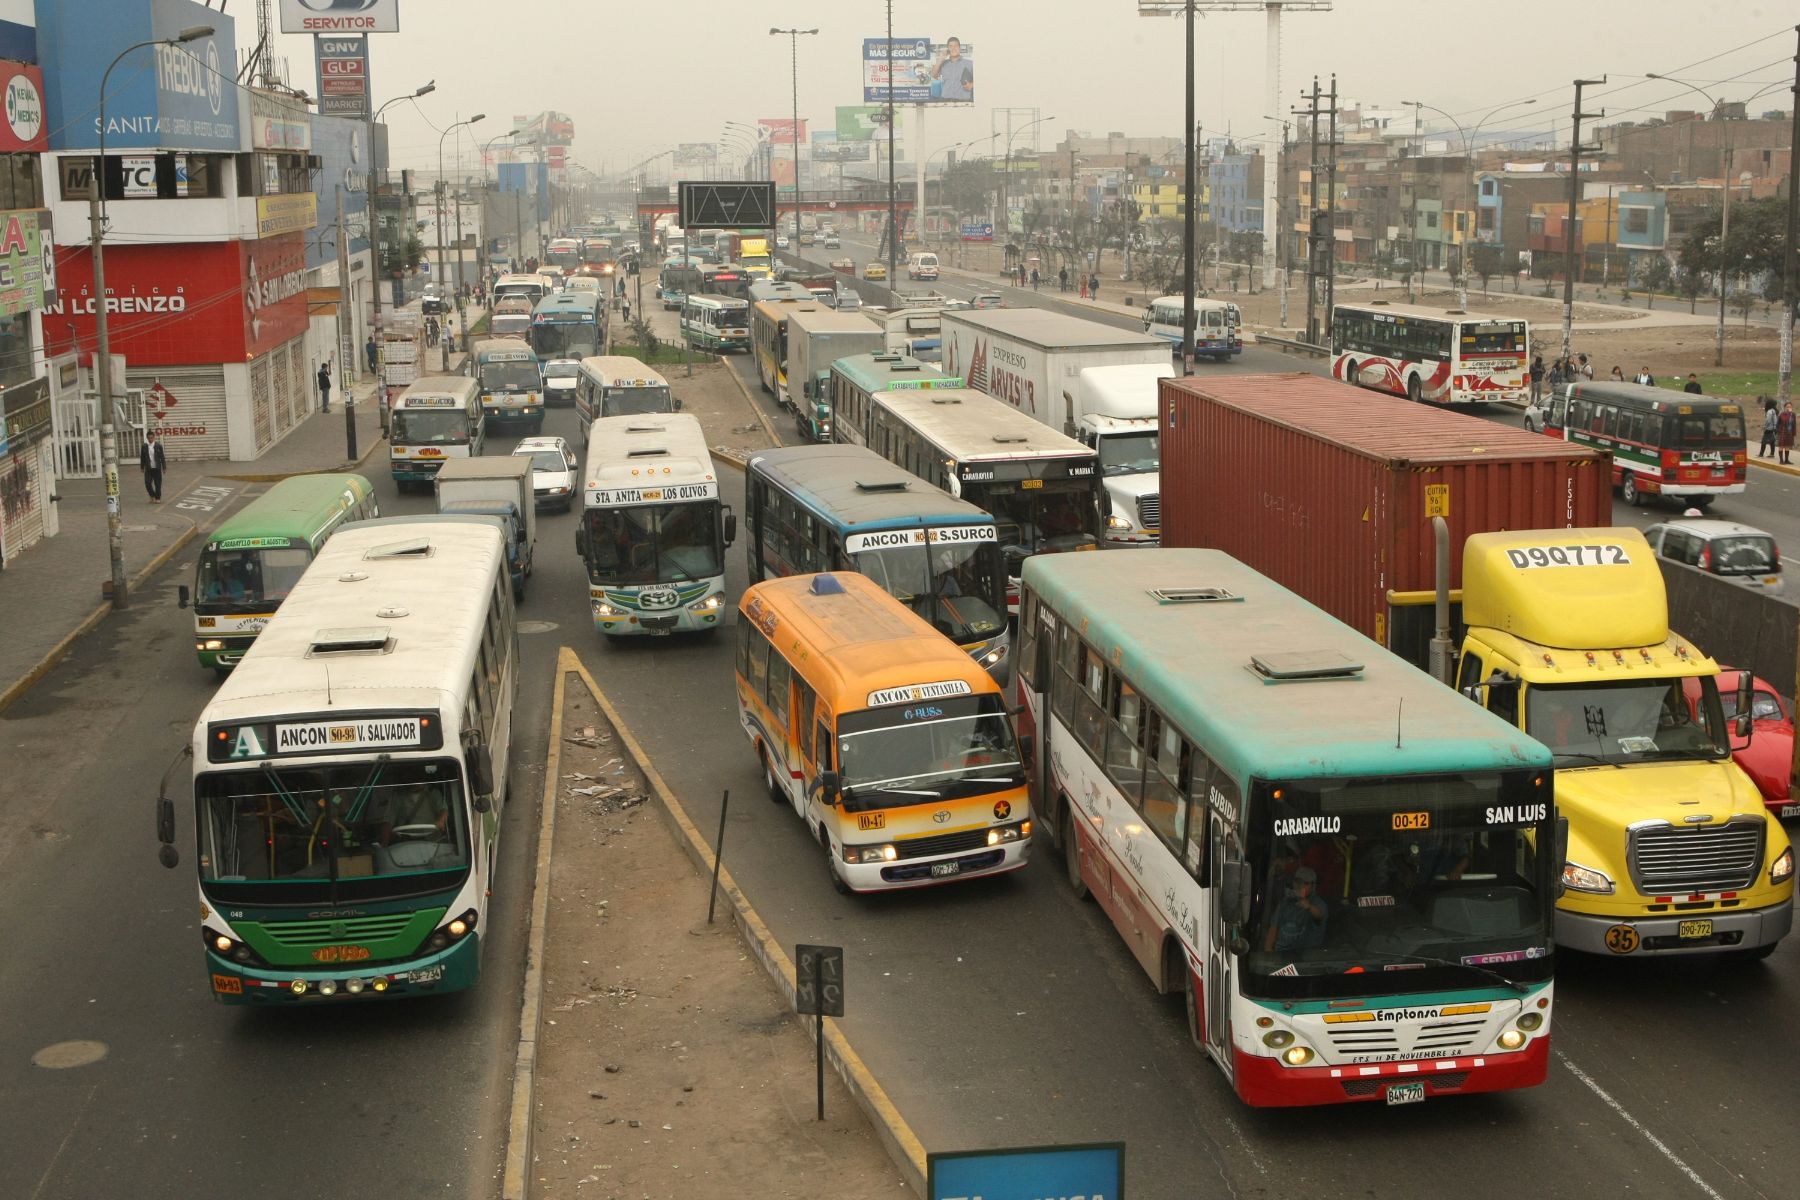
{"points": [[1738, 626]]}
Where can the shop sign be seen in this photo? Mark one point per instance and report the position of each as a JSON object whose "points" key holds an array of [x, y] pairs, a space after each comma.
{"points": [[286, 214]]}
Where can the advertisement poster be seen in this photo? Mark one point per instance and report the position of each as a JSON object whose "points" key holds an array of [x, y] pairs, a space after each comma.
{"points": [[923, 71]]}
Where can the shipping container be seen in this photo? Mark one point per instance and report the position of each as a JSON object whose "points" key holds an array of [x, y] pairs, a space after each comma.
{"points": [[1330, 489]]}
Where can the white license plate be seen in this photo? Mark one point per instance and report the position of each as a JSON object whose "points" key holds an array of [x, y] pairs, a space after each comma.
{"points": [[939, 870], [1405, 1093], [433, 974]]}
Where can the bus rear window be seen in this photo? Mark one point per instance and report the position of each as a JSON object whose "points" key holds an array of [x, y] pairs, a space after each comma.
{"points": [[1494, 339], [1703, 431]]}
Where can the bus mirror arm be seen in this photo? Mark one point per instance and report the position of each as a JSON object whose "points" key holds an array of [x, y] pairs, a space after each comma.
{"points": [[481, 770], [181, 596], [1234, 892], [1746, 715]]}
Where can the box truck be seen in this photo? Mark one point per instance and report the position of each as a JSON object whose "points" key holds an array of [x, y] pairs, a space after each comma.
{"points": [[500, 486]]}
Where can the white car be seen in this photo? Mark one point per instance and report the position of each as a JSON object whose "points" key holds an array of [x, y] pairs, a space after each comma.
{"points": [[1741, 553], [560, 377], [781, 241], [554, 471]]}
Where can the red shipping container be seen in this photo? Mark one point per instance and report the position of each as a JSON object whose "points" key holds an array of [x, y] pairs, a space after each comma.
{"points": [[1330, 489]]}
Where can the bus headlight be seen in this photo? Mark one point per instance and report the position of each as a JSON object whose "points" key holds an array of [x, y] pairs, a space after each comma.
{"points": [[1297, 1056], [1531, 1022], [1278, 1039], [1578, 878], [1512, 1039], [1005, 833], [1118, 524], [607, 611], [992, 658], [1784, 866], [712, 603], [228, 947], [210, 644], [870, 854]]}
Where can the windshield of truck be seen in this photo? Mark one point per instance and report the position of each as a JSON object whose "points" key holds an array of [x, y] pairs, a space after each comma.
{"points": [[926, 753], [1437, 876], [520, 375], [353, 830], [1058, 516], [248, 580], [1629, 721], [1130, 453], [1704, 432], [654, 543], [959, 588], [631, 401], [428, 427]]}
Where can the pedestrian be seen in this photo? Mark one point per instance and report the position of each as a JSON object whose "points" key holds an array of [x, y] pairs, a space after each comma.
{"points": [[1784, 433], [1094, 286], [1084, 289], [153, 460], [1692, 386], [1770, 417], [1062, 280], [625, 307], [1644, 377], [1556, 375], [369, 352], [1618, 376], [325, 386], [1034, 279], [1585, 368], [1537, 376]]}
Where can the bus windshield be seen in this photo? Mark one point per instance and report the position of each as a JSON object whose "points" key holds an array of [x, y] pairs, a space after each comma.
{"points": [[655, 543], [926, 753], [249, 580], [959, 588], [1053, 517], [428, 427], [1639, 720], [1129, 453], [566, 339], [373, 828], [631, 401], [1434, 876], [517, 375]]}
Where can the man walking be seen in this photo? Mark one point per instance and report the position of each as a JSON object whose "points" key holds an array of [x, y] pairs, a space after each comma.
{"points": [[152, 460], [325, 386], [369, 352], [1094, 286]]}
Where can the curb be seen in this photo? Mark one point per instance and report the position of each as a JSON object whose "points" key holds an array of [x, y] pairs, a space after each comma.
{"points": [[903, 1146], [755, 408], [339, 469], [516, 1161], [25, 682]]}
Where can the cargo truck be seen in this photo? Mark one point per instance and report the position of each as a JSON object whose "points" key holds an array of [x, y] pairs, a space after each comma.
{"points": [[1467, 547], [499, 486], [1031, 358], [1115, 413], [816, 337]]}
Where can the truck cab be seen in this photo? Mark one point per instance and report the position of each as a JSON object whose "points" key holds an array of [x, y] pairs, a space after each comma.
{"points": [[1114, 411], [1670, 848]]}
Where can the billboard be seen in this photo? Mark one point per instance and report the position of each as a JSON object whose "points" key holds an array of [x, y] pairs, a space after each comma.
{"points": [[340, 16], [23, 88], [18, 31], [545, 129], [343, 67], [922, 71], [21, 262], [780, 130], [827, 147], [277, 122], [862, 122], [342, 173], [693, 154]]}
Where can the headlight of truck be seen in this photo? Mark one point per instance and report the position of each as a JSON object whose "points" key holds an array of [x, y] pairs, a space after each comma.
{"points": [[1118, 524], [1578, 878], [1784, 866]]}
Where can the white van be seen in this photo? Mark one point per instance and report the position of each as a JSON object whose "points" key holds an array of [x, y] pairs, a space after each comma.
{"points": [[922, 265]]}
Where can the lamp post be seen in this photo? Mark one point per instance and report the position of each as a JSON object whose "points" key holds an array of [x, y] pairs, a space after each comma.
{"points": [[793, 36], [444, 342], [1190, 182], [109, 431], [375, 241], [1006, 179], [1724, 213], [1468, 140]]}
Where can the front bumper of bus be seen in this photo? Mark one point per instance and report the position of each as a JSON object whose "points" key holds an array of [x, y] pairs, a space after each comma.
{"points": [[452, 969], [618, 620], [925, 872], [221, 653], [1619, 936], [415, 470], [531, 410], [1268, 1083]]}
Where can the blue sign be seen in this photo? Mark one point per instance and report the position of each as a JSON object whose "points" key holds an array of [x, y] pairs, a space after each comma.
{"points": [[977, 231], [1092, 1172], [18, 38], [343, 171], [159, 97]]}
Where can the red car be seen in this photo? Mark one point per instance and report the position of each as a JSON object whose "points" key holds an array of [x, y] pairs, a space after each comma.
{"points": [[1769, 756]]}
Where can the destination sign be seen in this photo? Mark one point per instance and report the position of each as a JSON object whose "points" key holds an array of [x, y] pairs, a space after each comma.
{"points": [[654, 495], [252, 543], [961, 533], [914, 693], [885, 539], [312, 736], [431, 402], [921, 385], [324, 734]]}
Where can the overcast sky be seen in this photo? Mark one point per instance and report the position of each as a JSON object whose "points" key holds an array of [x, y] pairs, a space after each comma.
{"points": [[639, 77]]}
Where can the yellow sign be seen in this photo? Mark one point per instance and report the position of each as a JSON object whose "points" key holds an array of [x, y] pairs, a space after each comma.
{"points": [[286, 214], [1437, 500], [1412, 820], [1622, 939]]}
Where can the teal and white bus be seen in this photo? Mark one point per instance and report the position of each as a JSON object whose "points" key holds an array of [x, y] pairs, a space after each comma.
{"points": [[1348, 870], [252, 561], [716, 323], [512, 388], [350, 774], [569, 324], [653, 532], [856, 377]]}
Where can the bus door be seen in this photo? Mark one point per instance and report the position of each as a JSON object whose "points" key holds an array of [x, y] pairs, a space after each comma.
{"points": [[477, 425], [1216, 980]]}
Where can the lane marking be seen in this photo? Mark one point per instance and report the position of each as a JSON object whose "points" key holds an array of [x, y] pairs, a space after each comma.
{"points": [[1632, 1121]]}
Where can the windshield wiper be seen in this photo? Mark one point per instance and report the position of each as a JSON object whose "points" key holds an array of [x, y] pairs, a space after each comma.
{"points": [[1596, 759], [1496, 976]]}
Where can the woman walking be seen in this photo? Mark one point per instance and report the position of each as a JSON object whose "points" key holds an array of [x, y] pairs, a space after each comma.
{"points": [[1784, 433]]}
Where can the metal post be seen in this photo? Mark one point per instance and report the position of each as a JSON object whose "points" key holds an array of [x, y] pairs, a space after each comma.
{"points": [[1331, 207], [1312, 223], [109, 434], [893, 249], [1568, 305], [377, 276], [1190, 184], [346, 331], [1724, 241], [718, 850], [1785, 375], [438, 220], [462, 318]]}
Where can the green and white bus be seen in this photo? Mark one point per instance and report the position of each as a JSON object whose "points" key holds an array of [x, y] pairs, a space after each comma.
{"points": [[715, 323], [512, 387], [252, 561], [653, 532], [350, 775], [1347, 870]]}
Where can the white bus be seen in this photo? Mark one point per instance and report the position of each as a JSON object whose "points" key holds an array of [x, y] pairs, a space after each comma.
{"points": [[527, 287], [1217, 325], [716, 323], [435, 418], [1445, 357], [612, 385], [653, 532], [350, 774]]}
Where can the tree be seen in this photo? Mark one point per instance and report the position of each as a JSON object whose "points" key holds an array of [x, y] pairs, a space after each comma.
{"points": [[400, 255], [1688, 283], [1659, 276], [1486, 261], [1744, 300]]}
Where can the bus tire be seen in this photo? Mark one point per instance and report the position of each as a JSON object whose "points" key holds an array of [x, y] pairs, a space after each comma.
{"points": [[1071, 841], [1350, 372], [1413, 391], [1628, 490], [837, 882], [1191, 1000], [769, 784]]}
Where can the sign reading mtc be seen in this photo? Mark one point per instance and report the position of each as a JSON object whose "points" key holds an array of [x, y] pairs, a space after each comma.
{"points": [[1090, 1172]]}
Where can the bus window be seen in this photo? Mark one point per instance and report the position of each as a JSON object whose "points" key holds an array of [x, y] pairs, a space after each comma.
{"points": [[1090, 717], [1163, 806], [777, 695], [1124, 745], [758, 663]]}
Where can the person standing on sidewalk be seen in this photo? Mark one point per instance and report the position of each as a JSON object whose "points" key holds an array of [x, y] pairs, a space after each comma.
{"points": [[1770, 417], [1692, 386], [369, 352], [153, 460], [1784, 433], [325, 387], [1094, 286], [1062, 280], [1537, 377]]}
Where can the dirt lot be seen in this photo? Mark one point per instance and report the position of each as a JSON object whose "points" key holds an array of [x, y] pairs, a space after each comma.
{"points": [[669, 1066], [730, 423]]}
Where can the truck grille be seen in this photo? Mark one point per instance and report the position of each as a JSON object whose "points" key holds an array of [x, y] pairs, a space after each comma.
{"points": [[1150, 511], [1444, 1038], [1709, 858]]}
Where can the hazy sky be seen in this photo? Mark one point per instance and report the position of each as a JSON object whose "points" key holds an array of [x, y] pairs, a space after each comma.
{"points": [[640, 76]]}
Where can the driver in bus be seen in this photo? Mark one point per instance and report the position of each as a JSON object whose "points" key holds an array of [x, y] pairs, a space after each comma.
{"points": [[416, 804], [1299, 920]]}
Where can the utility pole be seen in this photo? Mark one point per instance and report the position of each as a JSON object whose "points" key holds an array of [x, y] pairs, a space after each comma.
{"points": [[1312, 215], [893, 238], [346, 331], [1569, 251], [1331, 211], [1190, 184], [109, 436], [443, 344], [1784, 379]]}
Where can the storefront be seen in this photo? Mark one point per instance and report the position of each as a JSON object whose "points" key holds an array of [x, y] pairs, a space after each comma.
{"points": [[27, 468]]}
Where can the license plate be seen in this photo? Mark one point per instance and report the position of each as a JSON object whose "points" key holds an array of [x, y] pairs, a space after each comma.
{"points": [[1696, 929], [426, 974], [1405, 1093], [939, 870], [654, 632]]}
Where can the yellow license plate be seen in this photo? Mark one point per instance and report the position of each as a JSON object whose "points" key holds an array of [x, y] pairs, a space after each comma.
{"points": [[1030, 484], [1696, 929]]}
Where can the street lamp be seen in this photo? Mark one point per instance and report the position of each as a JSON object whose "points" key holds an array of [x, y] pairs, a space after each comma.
{"points": [[444, 343], [759, 136], [1006, 179], [375, 246], [109, 432], [1724, 212], [793, 36]]}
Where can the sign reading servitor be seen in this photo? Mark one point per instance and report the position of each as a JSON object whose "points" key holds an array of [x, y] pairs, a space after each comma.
{"points": [[340, 16]]}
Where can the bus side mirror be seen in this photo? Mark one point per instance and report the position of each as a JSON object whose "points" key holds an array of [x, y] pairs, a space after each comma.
{"points": [[581, 542], [1234, 892], [1027, 747], [165, 832], [677, 404], [831, 786], [481, 776], [181, 596], [1562, 851], [1746, 701], [730, 526]]}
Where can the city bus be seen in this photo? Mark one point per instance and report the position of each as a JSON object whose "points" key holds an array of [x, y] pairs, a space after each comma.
{"points": [[679, 278], [1042, 487], [568, 325], [511, 318], [845, 508], [1217, 326], [530, 288], [350, 774], [612, 385], [512, 388], [254, 559], [564, 253], [715, 323], [435, 418], [777, 289], [768, 339], [895, 749], [1663, 443], [653, 533], [1347, 870], [724, 279], [1428, 354], [856, 377]]}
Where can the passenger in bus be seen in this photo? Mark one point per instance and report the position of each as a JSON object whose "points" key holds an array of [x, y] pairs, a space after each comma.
{"points": [[1299, 919]]}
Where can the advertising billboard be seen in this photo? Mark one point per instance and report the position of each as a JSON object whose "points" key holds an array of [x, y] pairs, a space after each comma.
{"points": [[277, 121], [923, 71], [343, 69], [827, 147], [23, 88], [861, 122], [694, 154], [177, 97], [340, 16], [781, 129], [21, 262]]}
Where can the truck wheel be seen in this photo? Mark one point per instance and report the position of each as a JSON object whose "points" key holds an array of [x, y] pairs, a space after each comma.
{"points": [[1072, 852], [1628, 490], [837, 883]]}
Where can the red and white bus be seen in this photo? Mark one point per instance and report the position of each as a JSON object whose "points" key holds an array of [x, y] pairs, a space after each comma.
{"points": [[1443, 357]]}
